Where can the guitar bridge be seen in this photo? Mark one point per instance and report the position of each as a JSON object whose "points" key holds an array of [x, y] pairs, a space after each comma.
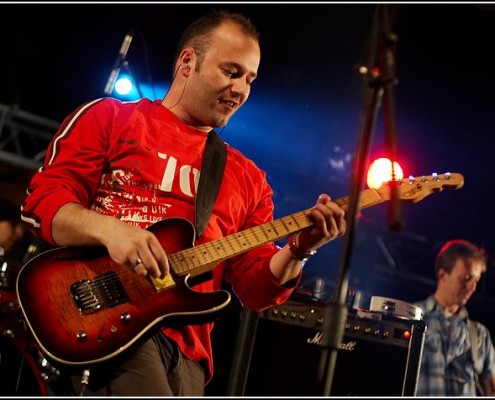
{"points": [[105, 290]]}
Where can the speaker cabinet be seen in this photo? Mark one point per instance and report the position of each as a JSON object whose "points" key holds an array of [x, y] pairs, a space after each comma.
{"points": [[378, 356]]}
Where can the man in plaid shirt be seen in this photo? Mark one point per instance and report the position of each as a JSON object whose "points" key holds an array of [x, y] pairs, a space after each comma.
{"points": [[450, 365]]}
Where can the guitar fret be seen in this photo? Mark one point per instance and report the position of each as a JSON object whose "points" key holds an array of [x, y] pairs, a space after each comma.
{"points": [[212, 250], [178, 262], [268, 232], [260, 228], [204, 254], [250, 240], [271, 233], [274, 225], [190, 260], [375, 197], [239, 242], [295, 219], [256, 236], [221, 243], [228, 240], [282, 222], [217, 251]]}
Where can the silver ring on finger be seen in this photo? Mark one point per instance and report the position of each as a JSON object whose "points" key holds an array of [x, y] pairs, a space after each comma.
{"points": [[136, 262]]}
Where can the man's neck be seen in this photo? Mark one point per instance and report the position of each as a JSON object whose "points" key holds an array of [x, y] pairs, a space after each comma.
{"points": [[448, 308], [180, 116]]}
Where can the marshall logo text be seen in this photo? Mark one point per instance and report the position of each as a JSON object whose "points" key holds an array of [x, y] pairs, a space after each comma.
{"points": [[316, 339]]}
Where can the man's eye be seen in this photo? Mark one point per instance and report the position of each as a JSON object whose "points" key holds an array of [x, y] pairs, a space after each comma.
{"points": [[468, 278]]}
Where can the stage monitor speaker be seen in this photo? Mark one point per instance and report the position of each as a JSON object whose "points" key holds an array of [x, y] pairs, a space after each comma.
{"points": [[378, 356]]}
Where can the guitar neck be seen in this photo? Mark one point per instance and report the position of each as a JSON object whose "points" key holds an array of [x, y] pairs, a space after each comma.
{"points": [[204, 257]]}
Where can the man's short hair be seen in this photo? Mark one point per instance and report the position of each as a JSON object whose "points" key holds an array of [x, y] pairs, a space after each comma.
{"points": [[197, 34], [454, 249]]}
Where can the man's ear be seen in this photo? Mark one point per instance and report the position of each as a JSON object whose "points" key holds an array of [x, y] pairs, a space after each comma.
{"points": [[186, 59]]}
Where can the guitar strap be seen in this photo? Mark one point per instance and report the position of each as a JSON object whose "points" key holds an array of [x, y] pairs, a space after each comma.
{"points": [[210, 178], [473, 331]]}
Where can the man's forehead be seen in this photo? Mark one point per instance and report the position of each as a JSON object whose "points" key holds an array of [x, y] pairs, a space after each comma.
{"points": [[468, 265]]}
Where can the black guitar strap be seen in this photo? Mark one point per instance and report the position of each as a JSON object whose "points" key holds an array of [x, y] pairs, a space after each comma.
{"points": [[210, 178]]}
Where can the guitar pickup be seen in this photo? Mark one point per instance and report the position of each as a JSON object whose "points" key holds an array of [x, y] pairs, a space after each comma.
{"points": [[105, 290]]}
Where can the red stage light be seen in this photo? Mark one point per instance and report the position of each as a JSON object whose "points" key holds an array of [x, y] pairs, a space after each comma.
{"points": [[380, 171]]}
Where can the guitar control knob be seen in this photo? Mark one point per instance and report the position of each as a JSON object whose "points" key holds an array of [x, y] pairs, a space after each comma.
{"points": [[125, 317], [82, 336]]}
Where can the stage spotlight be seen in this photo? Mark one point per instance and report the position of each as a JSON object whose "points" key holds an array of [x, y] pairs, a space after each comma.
{"points": [[123, 86], [126, 88], [380, 171]]}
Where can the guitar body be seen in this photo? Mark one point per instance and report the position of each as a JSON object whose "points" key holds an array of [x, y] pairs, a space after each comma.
{"points": [[74, 326]]}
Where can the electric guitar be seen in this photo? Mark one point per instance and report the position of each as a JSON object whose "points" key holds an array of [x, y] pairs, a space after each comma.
{"points": [[84, 308]]}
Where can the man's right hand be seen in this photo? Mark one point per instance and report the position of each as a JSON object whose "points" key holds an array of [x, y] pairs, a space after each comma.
{"points": [[127, 245]]}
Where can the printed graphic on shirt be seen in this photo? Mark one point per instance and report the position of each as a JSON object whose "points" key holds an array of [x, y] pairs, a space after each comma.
{"points": [[127, 195]]}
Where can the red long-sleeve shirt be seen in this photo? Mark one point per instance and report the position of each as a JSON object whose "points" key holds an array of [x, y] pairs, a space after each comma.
{"points": [[140, 163]]}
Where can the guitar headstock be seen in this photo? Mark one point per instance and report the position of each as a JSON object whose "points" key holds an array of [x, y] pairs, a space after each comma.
{"points": [[414, 189]]}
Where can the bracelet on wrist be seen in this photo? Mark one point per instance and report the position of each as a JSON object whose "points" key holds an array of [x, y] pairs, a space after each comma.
{"points": [[300, 255]]}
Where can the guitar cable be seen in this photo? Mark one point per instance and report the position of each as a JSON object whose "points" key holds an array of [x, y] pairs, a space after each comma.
{"points": [[84, 381], [21, 366], [23, 358]]}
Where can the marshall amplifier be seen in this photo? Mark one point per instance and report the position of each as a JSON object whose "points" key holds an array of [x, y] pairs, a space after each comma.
{"points": [[379, 355]]}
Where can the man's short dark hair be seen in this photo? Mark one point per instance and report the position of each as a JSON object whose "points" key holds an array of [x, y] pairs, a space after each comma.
{"points": [[197, 34], [452, 250]]}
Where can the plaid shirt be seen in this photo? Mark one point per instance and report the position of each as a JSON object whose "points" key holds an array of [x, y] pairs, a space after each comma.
{"points": [[447, 367]]}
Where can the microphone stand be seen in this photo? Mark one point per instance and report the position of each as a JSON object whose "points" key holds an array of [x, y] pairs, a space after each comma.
{"points": [[335, 313], [390, 79]]}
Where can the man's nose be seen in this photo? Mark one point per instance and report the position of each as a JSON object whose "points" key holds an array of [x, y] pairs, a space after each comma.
{"points": [[471, 284], [241, 87]]}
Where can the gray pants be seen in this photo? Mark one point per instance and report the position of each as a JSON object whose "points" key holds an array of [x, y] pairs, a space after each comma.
{"points": [[153, 368]]}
